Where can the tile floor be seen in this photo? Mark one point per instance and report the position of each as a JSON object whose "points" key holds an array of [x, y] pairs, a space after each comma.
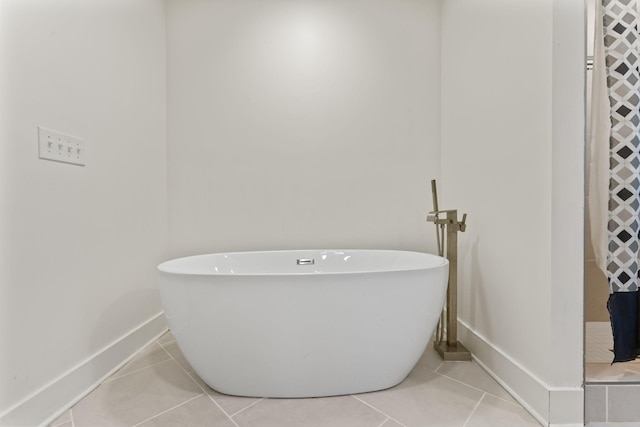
{"points": [[159, 388]]}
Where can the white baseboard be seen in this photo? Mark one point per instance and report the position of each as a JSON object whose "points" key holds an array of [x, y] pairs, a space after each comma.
{"points": [[49, 402], [551, 406]]}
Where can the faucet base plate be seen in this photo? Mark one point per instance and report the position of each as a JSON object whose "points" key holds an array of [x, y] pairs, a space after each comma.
{"points": [[457, 353]]}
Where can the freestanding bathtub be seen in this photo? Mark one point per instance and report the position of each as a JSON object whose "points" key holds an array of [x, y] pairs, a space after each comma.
{"points": [[303, 323]]}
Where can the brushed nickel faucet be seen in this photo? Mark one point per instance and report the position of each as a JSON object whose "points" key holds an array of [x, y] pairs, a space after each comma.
{"points": [[450, 349]]}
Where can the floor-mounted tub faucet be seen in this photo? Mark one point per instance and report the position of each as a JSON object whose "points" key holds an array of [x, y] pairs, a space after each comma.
{"points": [[450, 349]]}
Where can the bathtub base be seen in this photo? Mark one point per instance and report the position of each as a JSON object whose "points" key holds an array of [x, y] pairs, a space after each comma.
{"points": [[282, 390]]}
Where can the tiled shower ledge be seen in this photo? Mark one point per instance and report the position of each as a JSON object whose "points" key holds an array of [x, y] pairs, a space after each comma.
{"points": [[611, 391], [159, 388]]}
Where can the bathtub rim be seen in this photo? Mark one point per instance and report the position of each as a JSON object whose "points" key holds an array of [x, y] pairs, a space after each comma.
{"points": [[163, 267]]}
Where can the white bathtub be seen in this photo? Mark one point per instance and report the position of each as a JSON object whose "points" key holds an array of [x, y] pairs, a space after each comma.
{"points": [[259, 324]]}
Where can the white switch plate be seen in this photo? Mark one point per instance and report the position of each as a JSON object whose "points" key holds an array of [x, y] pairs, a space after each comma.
{"points": [[59, 147]]}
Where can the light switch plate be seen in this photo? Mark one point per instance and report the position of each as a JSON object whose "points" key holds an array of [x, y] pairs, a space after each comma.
{"points": [[60, 147]]}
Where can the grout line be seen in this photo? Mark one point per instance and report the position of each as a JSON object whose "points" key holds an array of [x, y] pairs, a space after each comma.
{"points": [[168, 410], [246, 407], [384, 422], [117, 377], [218, 405], [389, 417], [606, 402], [64, 422], [155, 364], [173, 338], [514, 402], [174, 359], [199, 386], [73, 421], [473, 410], [207, 394]]}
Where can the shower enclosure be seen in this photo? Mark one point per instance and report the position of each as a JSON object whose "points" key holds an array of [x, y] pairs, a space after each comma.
{"points": [[613, 214]]}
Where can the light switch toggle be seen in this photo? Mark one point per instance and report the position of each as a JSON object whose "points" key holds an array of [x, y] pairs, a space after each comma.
{"points": [[60, 147]]}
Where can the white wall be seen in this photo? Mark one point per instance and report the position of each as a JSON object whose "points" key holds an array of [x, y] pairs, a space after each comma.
{"points": [[513, 158], [290, 124], [302, 124], [78, 245]]}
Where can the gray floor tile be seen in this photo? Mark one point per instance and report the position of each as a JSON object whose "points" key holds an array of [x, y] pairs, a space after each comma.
{"points": [[391, 423], [137, 397], [426, 399], [62, 419], [430, 359], [321, 412], [230, 404], [174, 351], [150, 356], [198, 412], [472, 374], [166, 338], [495, 412]]}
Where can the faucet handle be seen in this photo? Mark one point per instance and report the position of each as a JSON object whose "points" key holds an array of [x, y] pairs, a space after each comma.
{"points": [[462, 225]]}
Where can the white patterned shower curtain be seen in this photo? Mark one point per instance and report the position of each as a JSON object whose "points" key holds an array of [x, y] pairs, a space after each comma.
{"points": [[614, 180]]}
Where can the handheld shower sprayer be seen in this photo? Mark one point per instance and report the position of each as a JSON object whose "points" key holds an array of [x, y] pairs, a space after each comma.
{"points": [[433, 217]]}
